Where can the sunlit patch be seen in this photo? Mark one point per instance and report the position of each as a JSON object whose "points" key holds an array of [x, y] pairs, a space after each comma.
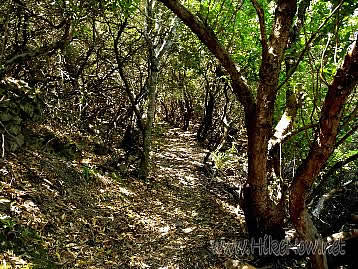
{"points": [[164, 230], [189, 229], [236, 210], [48, 185], [85, 161], [271, 51], [187, 134], [125, 191], [170, 266], [188, 180], [138, 261], [290, 234], [104, 178]]}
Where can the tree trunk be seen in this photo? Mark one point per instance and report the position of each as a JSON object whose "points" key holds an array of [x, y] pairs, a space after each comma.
{"points": [[261, 215], [260, 212], [147, 134], [165, 111], [188, 110], [156, 50], [343, 83], [207, 120]]}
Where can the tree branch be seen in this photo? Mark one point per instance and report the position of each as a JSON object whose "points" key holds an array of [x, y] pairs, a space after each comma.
{"points": [[240, 88], [261, 14], [307, 46], [348, 134], [339, 165], [44, 50], [293, 133], [343, 84], [127, 86]]}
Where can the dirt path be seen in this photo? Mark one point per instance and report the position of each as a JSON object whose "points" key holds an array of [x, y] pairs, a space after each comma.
{"points": [[165, 222], [178, 159], [180, 209]]}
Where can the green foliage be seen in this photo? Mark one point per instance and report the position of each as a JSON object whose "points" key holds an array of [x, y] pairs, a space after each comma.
{"points": [[6, 222], [23, 241], [88, 173], [223, 160]]}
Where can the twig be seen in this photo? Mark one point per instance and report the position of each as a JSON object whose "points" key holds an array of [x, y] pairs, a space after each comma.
{"points": [[13, 137], [322, 59], [348, 134], [3, 146]]}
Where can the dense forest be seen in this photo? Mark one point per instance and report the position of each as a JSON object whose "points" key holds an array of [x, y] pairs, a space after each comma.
{"points": [[178, 134]]}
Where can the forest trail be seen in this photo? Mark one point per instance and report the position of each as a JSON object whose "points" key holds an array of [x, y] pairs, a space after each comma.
{"points": [[178, 158], [182, 213], [89, 218]]}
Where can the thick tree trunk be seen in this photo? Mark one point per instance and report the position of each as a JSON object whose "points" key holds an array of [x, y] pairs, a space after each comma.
{"points": [[260, 212]]}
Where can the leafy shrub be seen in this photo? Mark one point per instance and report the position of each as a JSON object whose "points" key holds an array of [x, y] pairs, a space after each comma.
{"points": [[223, 160]]}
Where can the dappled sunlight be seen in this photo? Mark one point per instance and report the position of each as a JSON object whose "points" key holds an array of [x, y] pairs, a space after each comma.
{"points": [[188, 180], [99, 218], [164, 230], [126, 191]]}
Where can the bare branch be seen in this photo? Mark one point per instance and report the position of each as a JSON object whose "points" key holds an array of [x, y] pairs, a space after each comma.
{"points": [[44, 50]]}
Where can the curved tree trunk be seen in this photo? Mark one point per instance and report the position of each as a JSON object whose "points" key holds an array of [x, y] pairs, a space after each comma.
{"points": [[344, 82], [261, 215]]}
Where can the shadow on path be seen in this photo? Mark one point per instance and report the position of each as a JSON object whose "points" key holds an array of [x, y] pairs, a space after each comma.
{"points": [[112, 222]]}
